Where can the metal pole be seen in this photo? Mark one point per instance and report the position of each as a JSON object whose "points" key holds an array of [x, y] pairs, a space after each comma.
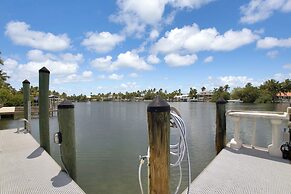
{"points": [[66, 121], [220, 139], [158, 113], [43, 104]]}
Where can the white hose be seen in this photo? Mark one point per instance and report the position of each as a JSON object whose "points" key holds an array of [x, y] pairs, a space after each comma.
{"points": [[180, 148], [177, 150], [139, 175]]}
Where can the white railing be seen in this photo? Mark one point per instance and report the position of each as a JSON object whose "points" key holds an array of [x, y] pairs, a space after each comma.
{"points": [[275, 118]]}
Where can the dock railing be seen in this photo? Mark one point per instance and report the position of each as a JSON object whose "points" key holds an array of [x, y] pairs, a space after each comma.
{"points": [[276, 119]]}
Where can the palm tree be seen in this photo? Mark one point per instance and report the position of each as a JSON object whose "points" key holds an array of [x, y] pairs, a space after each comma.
{"points": [[203, 89], [3, 75], [226, 87]]}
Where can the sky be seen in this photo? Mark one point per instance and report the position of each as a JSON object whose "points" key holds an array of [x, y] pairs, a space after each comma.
{"points": [[129, 45]]}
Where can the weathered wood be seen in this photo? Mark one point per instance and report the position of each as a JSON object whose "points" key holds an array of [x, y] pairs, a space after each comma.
{"points": [[66, 121], [26, 102], [43, 103], [158, 113], [220, 139]]}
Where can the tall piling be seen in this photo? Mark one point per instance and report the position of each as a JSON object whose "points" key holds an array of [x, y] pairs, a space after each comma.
{"points": [[26, 103], [220, 139], [158, 113], [43, 104], [66, 121]]}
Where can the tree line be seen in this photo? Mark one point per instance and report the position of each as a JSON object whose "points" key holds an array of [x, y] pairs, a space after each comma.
{"points": [[265, 93]]}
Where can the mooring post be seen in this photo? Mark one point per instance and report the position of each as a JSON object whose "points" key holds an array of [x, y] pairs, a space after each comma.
{"points": [[26, 103], [43, 106], [66, 121], [158, 113], [220, 139]]}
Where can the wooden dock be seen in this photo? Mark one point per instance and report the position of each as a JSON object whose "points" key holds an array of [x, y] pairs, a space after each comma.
{"points": [[27, 168], [244, 171], [7, 112]]}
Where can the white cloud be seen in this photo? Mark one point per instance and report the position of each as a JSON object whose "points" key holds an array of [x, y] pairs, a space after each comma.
{"points": [[149, 12], [115, 77], [281, 76], [192, 39], [102, 42], [101, 77], [154, 34], [69, 57], [38, 56], [208, 59], [287, 66], [194, 4], [10, 64], [103, 63], [133, 75], [271, 42], [9, 67], [128, 86], [153, 59], [87, 74], [232, 81], [128, 59], [258, 10], [58, 65], [84, 77], [176, 60], [132, 60], [137, 15], [272, 54], [20, 34]]}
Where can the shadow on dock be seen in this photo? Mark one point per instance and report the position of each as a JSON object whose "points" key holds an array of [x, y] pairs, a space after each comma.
{"points": [[256, 152], [36, 153], [61, 179]]}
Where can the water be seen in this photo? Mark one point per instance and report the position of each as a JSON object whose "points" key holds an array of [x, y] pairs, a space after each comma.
{"points": [[111, 135]]}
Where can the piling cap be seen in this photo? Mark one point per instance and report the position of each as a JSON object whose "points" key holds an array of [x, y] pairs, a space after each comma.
{"points": [[44, 70], [158, 105], [65, 105], [26, 82], [221, 101]]}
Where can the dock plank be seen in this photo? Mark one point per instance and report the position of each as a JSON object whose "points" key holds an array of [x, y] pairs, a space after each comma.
{"points": [[27, 168], [7, 110], [244, 171]]}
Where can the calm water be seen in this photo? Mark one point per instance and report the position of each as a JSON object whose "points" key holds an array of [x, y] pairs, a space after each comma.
{"points": [[111, 135]]}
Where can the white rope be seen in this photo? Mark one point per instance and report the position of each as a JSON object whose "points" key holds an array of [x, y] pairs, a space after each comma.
{"points": [[177, 150]]}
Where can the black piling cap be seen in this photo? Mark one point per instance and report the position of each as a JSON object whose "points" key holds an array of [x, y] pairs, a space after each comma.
{"points": [[26, 82], [158, 105], [44, 70], [65, 105], [221, 101]]}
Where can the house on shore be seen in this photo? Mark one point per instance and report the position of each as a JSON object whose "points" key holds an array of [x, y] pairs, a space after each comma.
{"points": [[182, 98], [284, 97], [204, 96]]}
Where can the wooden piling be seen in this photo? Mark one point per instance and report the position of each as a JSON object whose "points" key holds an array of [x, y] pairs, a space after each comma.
{"points": [[26, 103], [158, 113], [220, 139], [66, 121], [43, 103]]}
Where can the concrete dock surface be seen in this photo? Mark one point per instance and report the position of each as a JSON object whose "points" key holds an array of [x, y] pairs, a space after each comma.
{"points": [[244, 171], [25, 167]]}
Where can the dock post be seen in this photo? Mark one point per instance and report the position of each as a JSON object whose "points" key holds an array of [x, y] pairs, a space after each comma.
{"points": [[66, 121], [43, 104], [220, 139], [26, 104], [158, 113]]}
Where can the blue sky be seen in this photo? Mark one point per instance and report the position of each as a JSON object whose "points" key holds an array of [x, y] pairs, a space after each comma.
{"points": [[129, 45]]}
